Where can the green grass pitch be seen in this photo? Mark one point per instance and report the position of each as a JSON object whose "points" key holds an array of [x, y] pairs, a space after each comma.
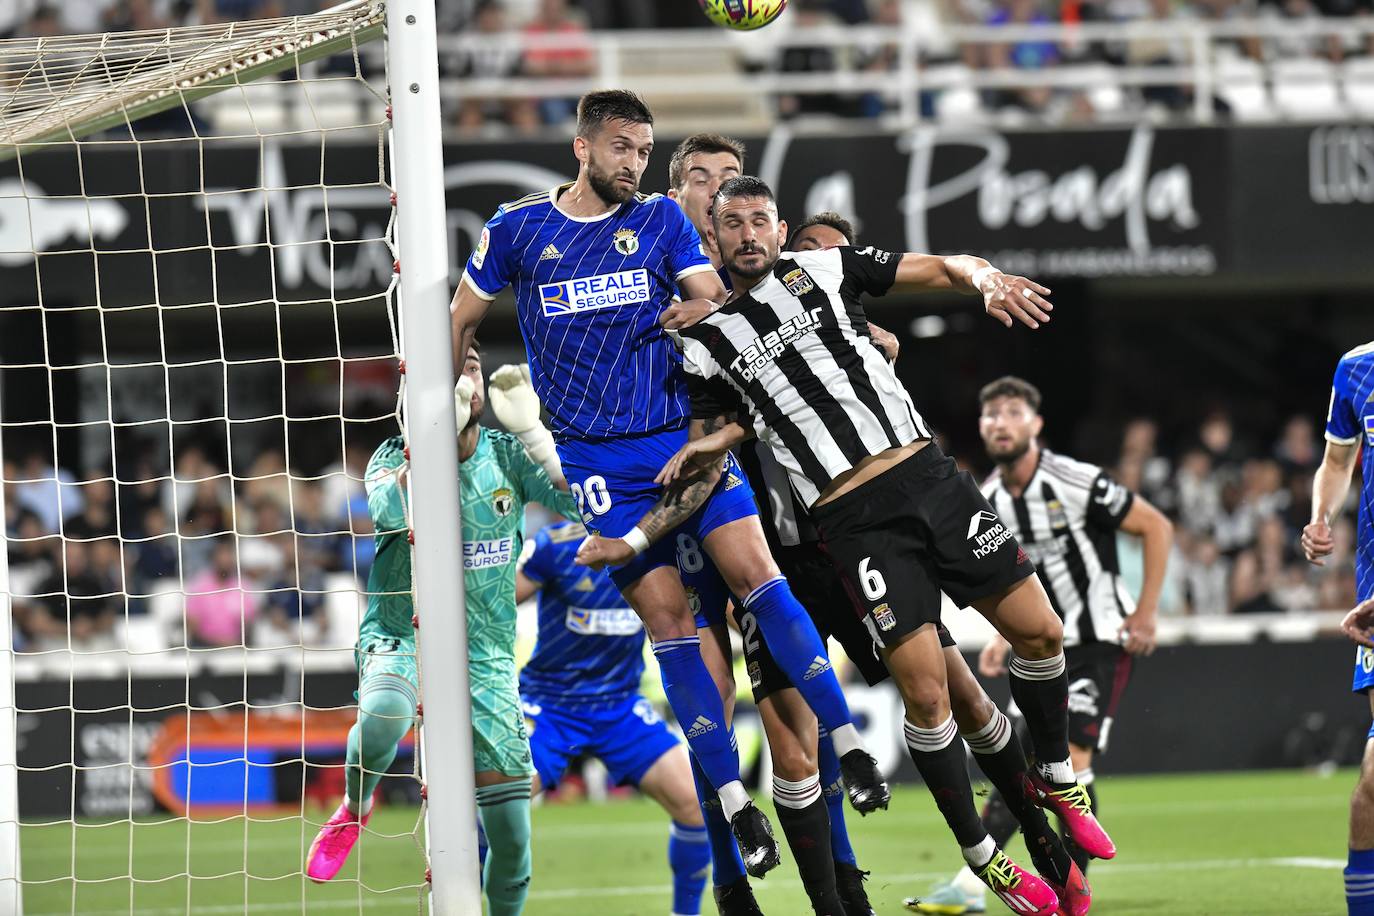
{"points": [[1248, 843]]}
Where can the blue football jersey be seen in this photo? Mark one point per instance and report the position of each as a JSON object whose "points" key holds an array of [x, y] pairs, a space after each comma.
{"points": [[1350, 420], [590, 648], [588, 293]]}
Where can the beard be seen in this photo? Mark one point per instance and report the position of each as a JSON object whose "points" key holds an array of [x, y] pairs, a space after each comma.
{"points": [[605, 185], [750, 273], [1011, 453]]}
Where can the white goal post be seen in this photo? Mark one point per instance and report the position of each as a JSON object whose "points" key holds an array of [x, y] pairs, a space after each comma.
{"points": [[196, 268]]}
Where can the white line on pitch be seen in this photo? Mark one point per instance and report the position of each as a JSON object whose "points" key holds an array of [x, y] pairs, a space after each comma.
{"points": [[773, 885]]}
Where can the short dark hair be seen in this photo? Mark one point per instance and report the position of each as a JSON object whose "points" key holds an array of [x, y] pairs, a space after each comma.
{"points": [[701, 143], [1009, 386], [827, 218], [742, 186], [596, 108]]}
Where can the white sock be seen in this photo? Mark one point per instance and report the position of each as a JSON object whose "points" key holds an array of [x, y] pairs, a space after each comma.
{"points": [[732, 798], [980, 855], [799, 794], [968, 882], [1059, 774], [353, 806], [846, 739], [1085, 776]]}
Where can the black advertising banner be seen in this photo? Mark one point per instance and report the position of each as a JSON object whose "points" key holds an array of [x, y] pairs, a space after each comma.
{"points": [[1303, 201], [1129, 202]]}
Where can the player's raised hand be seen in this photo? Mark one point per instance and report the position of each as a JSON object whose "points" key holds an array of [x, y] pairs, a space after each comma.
{"points": [[1317, 542], [886, 341], [462, 400], [992, 661], [597, 552], [1138, 633], [513, 399], [1359, 623], [1010, 298], [686, 313]]}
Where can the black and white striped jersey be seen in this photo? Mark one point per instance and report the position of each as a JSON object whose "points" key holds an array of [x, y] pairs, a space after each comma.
{"points": [[1066, 520], [796, 354], [786, 522]]}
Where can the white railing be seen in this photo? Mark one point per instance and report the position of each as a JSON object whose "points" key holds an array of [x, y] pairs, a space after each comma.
{"points": [[659, 64]]}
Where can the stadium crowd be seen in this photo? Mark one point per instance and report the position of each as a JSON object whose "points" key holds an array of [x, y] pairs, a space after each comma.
{"points": [[252, 553], [503, 24]]}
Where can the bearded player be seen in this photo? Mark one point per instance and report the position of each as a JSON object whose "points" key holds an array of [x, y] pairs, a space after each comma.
{"points": [[500, 474], [595, 266]]}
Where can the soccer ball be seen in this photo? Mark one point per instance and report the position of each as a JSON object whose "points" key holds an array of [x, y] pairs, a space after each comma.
{"points": [[742, 14]]}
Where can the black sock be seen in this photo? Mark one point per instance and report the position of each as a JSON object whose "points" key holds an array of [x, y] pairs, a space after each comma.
{"points": [[1040, 688], [805, 821], [1081, 858], [939, 755]]}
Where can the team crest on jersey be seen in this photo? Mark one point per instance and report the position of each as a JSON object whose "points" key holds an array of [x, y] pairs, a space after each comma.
{"points": [[626, 242], [885, 618], [798, 282], [585, 584], [479, 254], [1058, 517], [1369, 430], [693, 600], [755, 675], [503, 501]]}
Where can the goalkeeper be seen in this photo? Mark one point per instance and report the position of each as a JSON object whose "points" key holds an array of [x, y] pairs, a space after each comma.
{"points": [[501, 472]]}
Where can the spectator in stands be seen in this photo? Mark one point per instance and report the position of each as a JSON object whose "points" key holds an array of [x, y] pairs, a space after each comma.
{"points": [[495, 54], [48, 492], [14, 18], [220, 607], [1198, 491], [343, 480], [267, 480], [570, 58], [1160, 51], [97, 517], [1205, 578], [156, 557], [357, 550], [74, 604], [1023, 55], [1297, 447], [882, 58], [819, 57], [295, 599]]}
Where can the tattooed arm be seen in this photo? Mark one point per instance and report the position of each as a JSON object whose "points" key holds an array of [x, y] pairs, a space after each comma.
{"points": [[696, 472]]}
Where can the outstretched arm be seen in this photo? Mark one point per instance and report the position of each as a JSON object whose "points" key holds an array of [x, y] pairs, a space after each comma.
{"points": [[1006, 297]]}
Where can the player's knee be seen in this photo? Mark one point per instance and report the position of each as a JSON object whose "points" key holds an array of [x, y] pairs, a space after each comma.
{"points": [[927, 702], [792, 762], [1362, 801], [972, 710], [1044, 640]]}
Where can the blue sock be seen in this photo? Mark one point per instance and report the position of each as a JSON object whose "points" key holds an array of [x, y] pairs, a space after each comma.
{"points": [[482, 847], [833, 790], [1359, 883], [797, 648], [726, 865], [696, 703], [689, 855]]}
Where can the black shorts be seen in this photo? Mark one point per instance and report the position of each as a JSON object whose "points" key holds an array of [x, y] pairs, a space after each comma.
{"points": [[1098, 673], [818, 586], [918, 529]]}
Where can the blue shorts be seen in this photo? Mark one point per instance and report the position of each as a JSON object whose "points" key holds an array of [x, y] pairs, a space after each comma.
{"points": [[613, 483], [629, 738], [706, 591], [1364, 670]]}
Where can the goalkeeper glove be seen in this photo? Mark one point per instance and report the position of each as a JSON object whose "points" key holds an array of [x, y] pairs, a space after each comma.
{"points": [[517, 407], [462, 401]]}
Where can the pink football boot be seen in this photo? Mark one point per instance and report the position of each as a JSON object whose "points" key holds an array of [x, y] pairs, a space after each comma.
{"points": [[1073, 805], [1075, 897], [333, 844], [1022, 891]]}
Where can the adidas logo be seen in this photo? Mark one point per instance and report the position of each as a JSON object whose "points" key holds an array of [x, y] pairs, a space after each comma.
{"points": [[701, 726], [731, 481], [550, 253], [819, 665]]}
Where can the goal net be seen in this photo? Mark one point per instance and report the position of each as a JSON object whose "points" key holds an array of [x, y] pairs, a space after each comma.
{"points": [[199, 350]]}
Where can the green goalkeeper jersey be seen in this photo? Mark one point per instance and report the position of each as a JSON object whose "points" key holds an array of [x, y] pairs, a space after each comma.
{"points": [[497, 482]]}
